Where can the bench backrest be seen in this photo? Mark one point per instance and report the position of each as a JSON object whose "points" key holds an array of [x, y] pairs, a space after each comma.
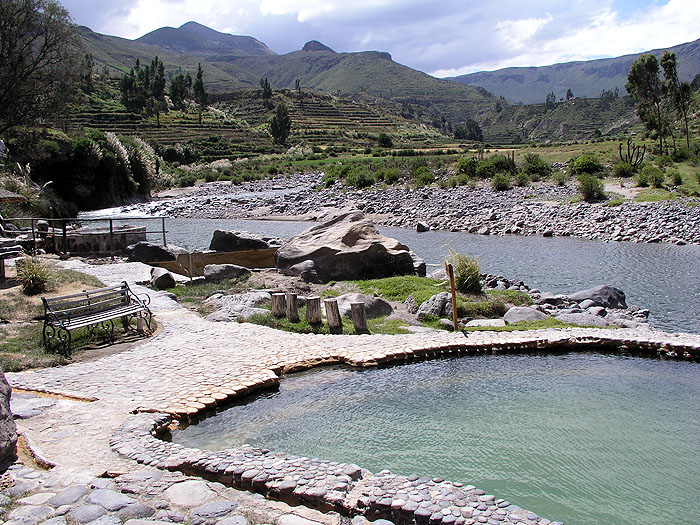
{"points": [[87, 301]]}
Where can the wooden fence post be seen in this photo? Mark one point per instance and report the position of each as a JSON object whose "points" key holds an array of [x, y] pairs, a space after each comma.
{"points": [[359, 318], [335, 323], [449, 269], [292, 308], [278, 305], [313, 310]]}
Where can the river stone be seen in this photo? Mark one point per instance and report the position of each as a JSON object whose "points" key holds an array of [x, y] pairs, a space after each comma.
{"points": [[162, 279], [422, 226], [146, 252], [30, 514], [86, 513], [250, 299], [598, 310], [8, 429], [346, 247], [136, 511], [219, 272], [605, 296], [110, 499], [190, 493], [516, 314], [583, 318], [215, 509], [236, 241], [434, 306], [24, 406], [374, 306], [486, 322]]}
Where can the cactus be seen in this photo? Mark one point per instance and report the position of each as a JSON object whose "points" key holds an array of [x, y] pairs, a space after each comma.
{"points": [[634, 155]]}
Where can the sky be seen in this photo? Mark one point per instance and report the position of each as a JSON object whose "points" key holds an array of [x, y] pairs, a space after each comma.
{"points": [[442, 38]]}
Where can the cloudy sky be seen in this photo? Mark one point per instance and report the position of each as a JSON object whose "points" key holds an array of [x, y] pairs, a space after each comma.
{"points": [[443, 37]]}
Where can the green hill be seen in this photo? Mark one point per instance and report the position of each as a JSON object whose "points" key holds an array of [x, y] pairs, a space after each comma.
{"points": [[530, 85]]}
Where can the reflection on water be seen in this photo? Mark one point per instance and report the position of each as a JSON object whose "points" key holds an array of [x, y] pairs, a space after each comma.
{"points": [[662, 277], [580, 438]]}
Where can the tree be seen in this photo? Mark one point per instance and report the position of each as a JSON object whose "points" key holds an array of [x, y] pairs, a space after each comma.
{"points": [[142, 88], [569, 94], [266, 91], [180, 90], [645, 86], [469, 131], [281, 125], [200, 94], [679, 93], [39, 61], [550, 101]]}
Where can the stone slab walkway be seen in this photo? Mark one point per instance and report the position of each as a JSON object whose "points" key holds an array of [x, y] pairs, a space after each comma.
{"points": [[192, 366]]}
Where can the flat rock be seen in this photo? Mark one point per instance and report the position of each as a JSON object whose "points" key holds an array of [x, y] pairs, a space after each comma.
{"points": [[584, 319], [293, 519], [220, 272], [374, 306], [110, 499], [190, 493], [86, 513], [235, 313], [517, 314], [234, 520], [486, 322], [215, 509], [30, 514]]}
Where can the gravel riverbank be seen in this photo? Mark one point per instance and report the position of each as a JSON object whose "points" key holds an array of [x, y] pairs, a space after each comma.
{"points": [[541, 209]]}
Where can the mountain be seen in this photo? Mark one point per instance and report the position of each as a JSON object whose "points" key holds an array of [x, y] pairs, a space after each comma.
{"points": [[195, 39], [530, 85]]}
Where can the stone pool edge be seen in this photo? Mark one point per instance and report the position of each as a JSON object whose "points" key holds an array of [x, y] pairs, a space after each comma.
{"points": [[347, 488]]}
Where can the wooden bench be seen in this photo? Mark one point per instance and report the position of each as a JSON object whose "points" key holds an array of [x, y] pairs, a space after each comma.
{"points": [[93, 309]]}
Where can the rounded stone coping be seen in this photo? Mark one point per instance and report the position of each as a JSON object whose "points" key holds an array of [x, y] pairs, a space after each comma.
{"points": [[347, 488]]}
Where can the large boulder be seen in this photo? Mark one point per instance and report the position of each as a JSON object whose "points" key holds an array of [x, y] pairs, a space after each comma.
{"points": [[346, 247], [518, 314], [146, 252], [374, 306], [220, 272], [605, 296], [162, 279], [8, 429], [237, 241]]}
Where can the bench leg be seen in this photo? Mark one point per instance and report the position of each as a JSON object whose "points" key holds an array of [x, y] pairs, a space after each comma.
{"points": [[56, 340], [2, 271]]}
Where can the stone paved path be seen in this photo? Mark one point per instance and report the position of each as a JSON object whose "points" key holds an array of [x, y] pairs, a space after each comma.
{"points": [[193, 365]]}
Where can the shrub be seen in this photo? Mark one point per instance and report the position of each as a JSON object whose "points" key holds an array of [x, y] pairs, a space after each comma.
{"points": [[467, 165], [385, 141], [359, 178], [33, 275], [675, 177], [503, 163], [484, 169], [663, 161], [423, 176], [623, 170], [560, 178], [534, 165], [467, 275], [652, 176], [591, 188], [500, 182], [211, 176], [682, 155], [522, 179], [585, 163], [388, 175]]}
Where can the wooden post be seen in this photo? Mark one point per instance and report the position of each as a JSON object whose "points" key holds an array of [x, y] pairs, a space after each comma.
{"points": [[162, 224], [63, 248], [359, 318], [189, 264], [111, 239], [278, 305], [313, 310], [292, 308], [449, 269], [335, 323], [34, 238]]}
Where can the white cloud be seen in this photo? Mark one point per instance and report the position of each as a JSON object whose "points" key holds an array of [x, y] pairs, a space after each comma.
{"points": [[518, 33]]}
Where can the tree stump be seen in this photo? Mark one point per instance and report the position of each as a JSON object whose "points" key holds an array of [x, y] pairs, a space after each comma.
{"points": [[359, 318], [292, 308], [278, 305], [335, 323], [313, 310]]}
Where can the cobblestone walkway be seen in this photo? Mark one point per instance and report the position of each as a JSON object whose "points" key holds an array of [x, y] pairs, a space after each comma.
{"points": [[193, 365]]}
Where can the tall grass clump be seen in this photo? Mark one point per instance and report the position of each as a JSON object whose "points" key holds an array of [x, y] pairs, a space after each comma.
{"points": [[467, 275], [591, 189], [33, 275]]}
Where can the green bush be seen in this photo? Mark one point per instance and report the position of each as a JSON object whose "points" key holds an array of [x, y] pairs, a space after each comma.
{"points": [[359, 178], [535, 167], [484, 169], [467, 275], [467, 165], [500, 182], [651, 175], [663, 161], [623, 170], [675, 177], [423, 176], [388, 175], [33, 275], [585, 163], [522, 179], [591, 188], [560, 178], [385, 141]]}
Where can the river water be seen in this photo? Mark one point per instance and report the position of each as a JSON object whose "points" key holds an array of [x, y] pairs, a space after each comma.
{"points": [[582, 438], [662, 277]]}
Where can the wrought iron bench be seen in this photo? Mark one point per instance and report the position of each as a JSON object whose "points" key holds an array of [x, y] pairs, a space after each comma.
{"points": [[93, 309]]}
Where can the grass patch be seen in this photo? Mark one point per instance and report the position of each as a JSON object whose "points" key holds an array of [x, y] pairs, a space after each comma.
{"points": [[480, 306], [400, 287], [655, 195], [380, 325], [514, 297]]}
